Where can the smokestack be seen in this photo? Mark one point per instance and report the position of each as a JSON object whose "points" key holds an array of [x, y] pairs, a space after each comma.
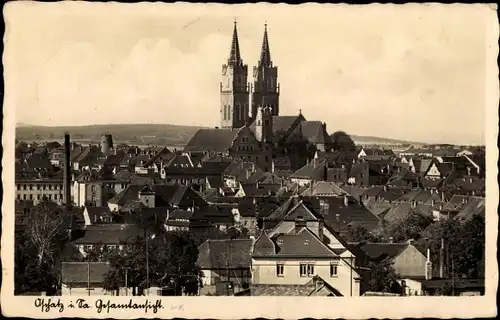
{"points": [[441, 260], [67, 171], [428, 266]]}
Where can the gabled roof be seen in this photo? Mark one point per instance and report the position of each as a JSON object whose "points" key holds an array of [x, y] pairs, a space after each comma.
{"points": [[300, 211], [474, 206], [314, 132], [384, 250], [324, 189], [302, 244], [80, 272], [113, 234], [211, 140], [222, 254], [314, 170]]}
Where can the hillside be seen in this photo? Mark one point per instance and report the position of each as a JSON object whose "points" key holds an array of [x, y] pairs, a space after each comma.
{"points": [[161, 134]]}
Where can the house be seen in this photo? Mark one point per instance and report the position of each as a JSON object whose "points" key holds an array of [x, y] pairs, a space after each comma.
{"points": [[315, 170], [240, 143], [296, 258], [316, 287], [38, 189], [85, 279], [97, 215], [112, 236], [375, 154], [223, 261], [158, 195], [178, 220], [408, 261]]}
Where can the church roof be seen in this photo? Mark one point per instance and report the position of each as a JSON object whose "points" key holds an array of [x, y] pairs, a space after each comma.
{"points": [[235, 55], [314, 131], [282, 123], [265, 52], [213, 140]]}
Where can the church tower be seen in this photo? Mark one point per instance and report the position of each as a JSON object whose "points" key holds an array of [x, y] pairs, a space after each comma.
{"points": [[264, 124], [234, 88], [265, 85]]}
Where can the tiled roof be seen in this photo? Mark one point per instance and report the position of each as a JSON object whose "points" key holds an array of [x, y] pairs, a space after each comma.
{"points": [[474, 206], [339, 215], [315, 170], [109, 234], [78, 272], [213, 140], [127, 195], [315, 132], [179, 214], [324, 189], [384, 250], [221, 254], [302, 244]]}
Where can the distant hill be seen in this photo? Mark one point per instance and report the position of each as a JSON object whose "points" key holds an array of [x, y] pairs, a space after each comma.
{"points": [[160, 134], [378, 140]]}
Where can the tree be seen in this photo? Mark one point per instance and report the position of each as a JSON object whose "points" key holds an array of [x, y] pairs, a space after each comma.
{"points": [[464, 246], [171, 255], [38, 246], [341, 141], [383, 277], [360, 234], [410, 228]]}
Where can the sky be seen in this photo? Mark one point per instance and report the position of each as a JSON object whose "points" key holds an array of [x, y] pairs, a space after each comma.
{"points": [[413, 72]]}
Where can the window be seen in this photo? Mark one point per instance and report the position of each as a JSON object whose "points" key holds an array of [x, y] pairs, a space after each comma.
{"points": [[303, 269], [310, 269], [18, 187], [31, 196], [18, 196], [93, 188], [24, 187], [333, 270], [24, 196], [55, 197], [31, 187], [93, 198], [279, 270], [38, 197]]}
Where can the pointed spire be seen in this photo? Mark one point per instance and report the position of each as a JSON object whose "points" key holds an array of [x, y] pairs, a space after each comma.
{"points": [[235, 56], [265, 53]]}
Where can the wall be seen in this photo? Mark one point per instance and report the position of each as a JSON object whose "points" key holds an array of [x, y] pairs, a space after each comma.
{"points": [[264, 272], [410, 263], [81, 290], [36, 190]]}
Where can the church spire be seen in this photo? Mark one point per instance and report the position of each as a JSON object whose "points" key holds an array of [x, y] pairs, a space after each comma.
{"points": [[265, 53], [235, 56]]}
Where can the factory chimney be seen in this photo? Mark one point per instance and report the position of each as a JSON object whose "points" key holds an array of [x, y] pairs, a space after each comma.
{"points": [[67, 183], [67, 171]]}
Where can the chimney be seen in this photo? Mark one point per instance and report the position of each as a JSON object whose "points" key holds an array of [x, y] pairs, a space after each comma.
{"points": [[67, 171], [337, 217], [441, 260], [391, 240], [428, 266], [433, 202], [442, 197], [411, 242], [346, 201], [385, 188]]}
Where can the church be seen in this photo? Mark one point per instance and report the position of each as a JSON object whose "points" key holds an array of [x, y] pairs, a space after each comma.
{"points": [[251, 126]]}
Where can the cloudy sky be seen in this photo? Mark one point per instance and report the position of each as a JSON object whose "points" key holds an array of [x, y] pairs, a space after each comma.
{"points": [[408, 72]]}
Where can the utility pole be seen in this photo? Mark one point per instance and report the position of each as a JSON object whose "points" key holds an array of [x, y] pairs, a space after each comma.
{"points": [[126, 281], [452, 275], [147, 263], [88, 276]]}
